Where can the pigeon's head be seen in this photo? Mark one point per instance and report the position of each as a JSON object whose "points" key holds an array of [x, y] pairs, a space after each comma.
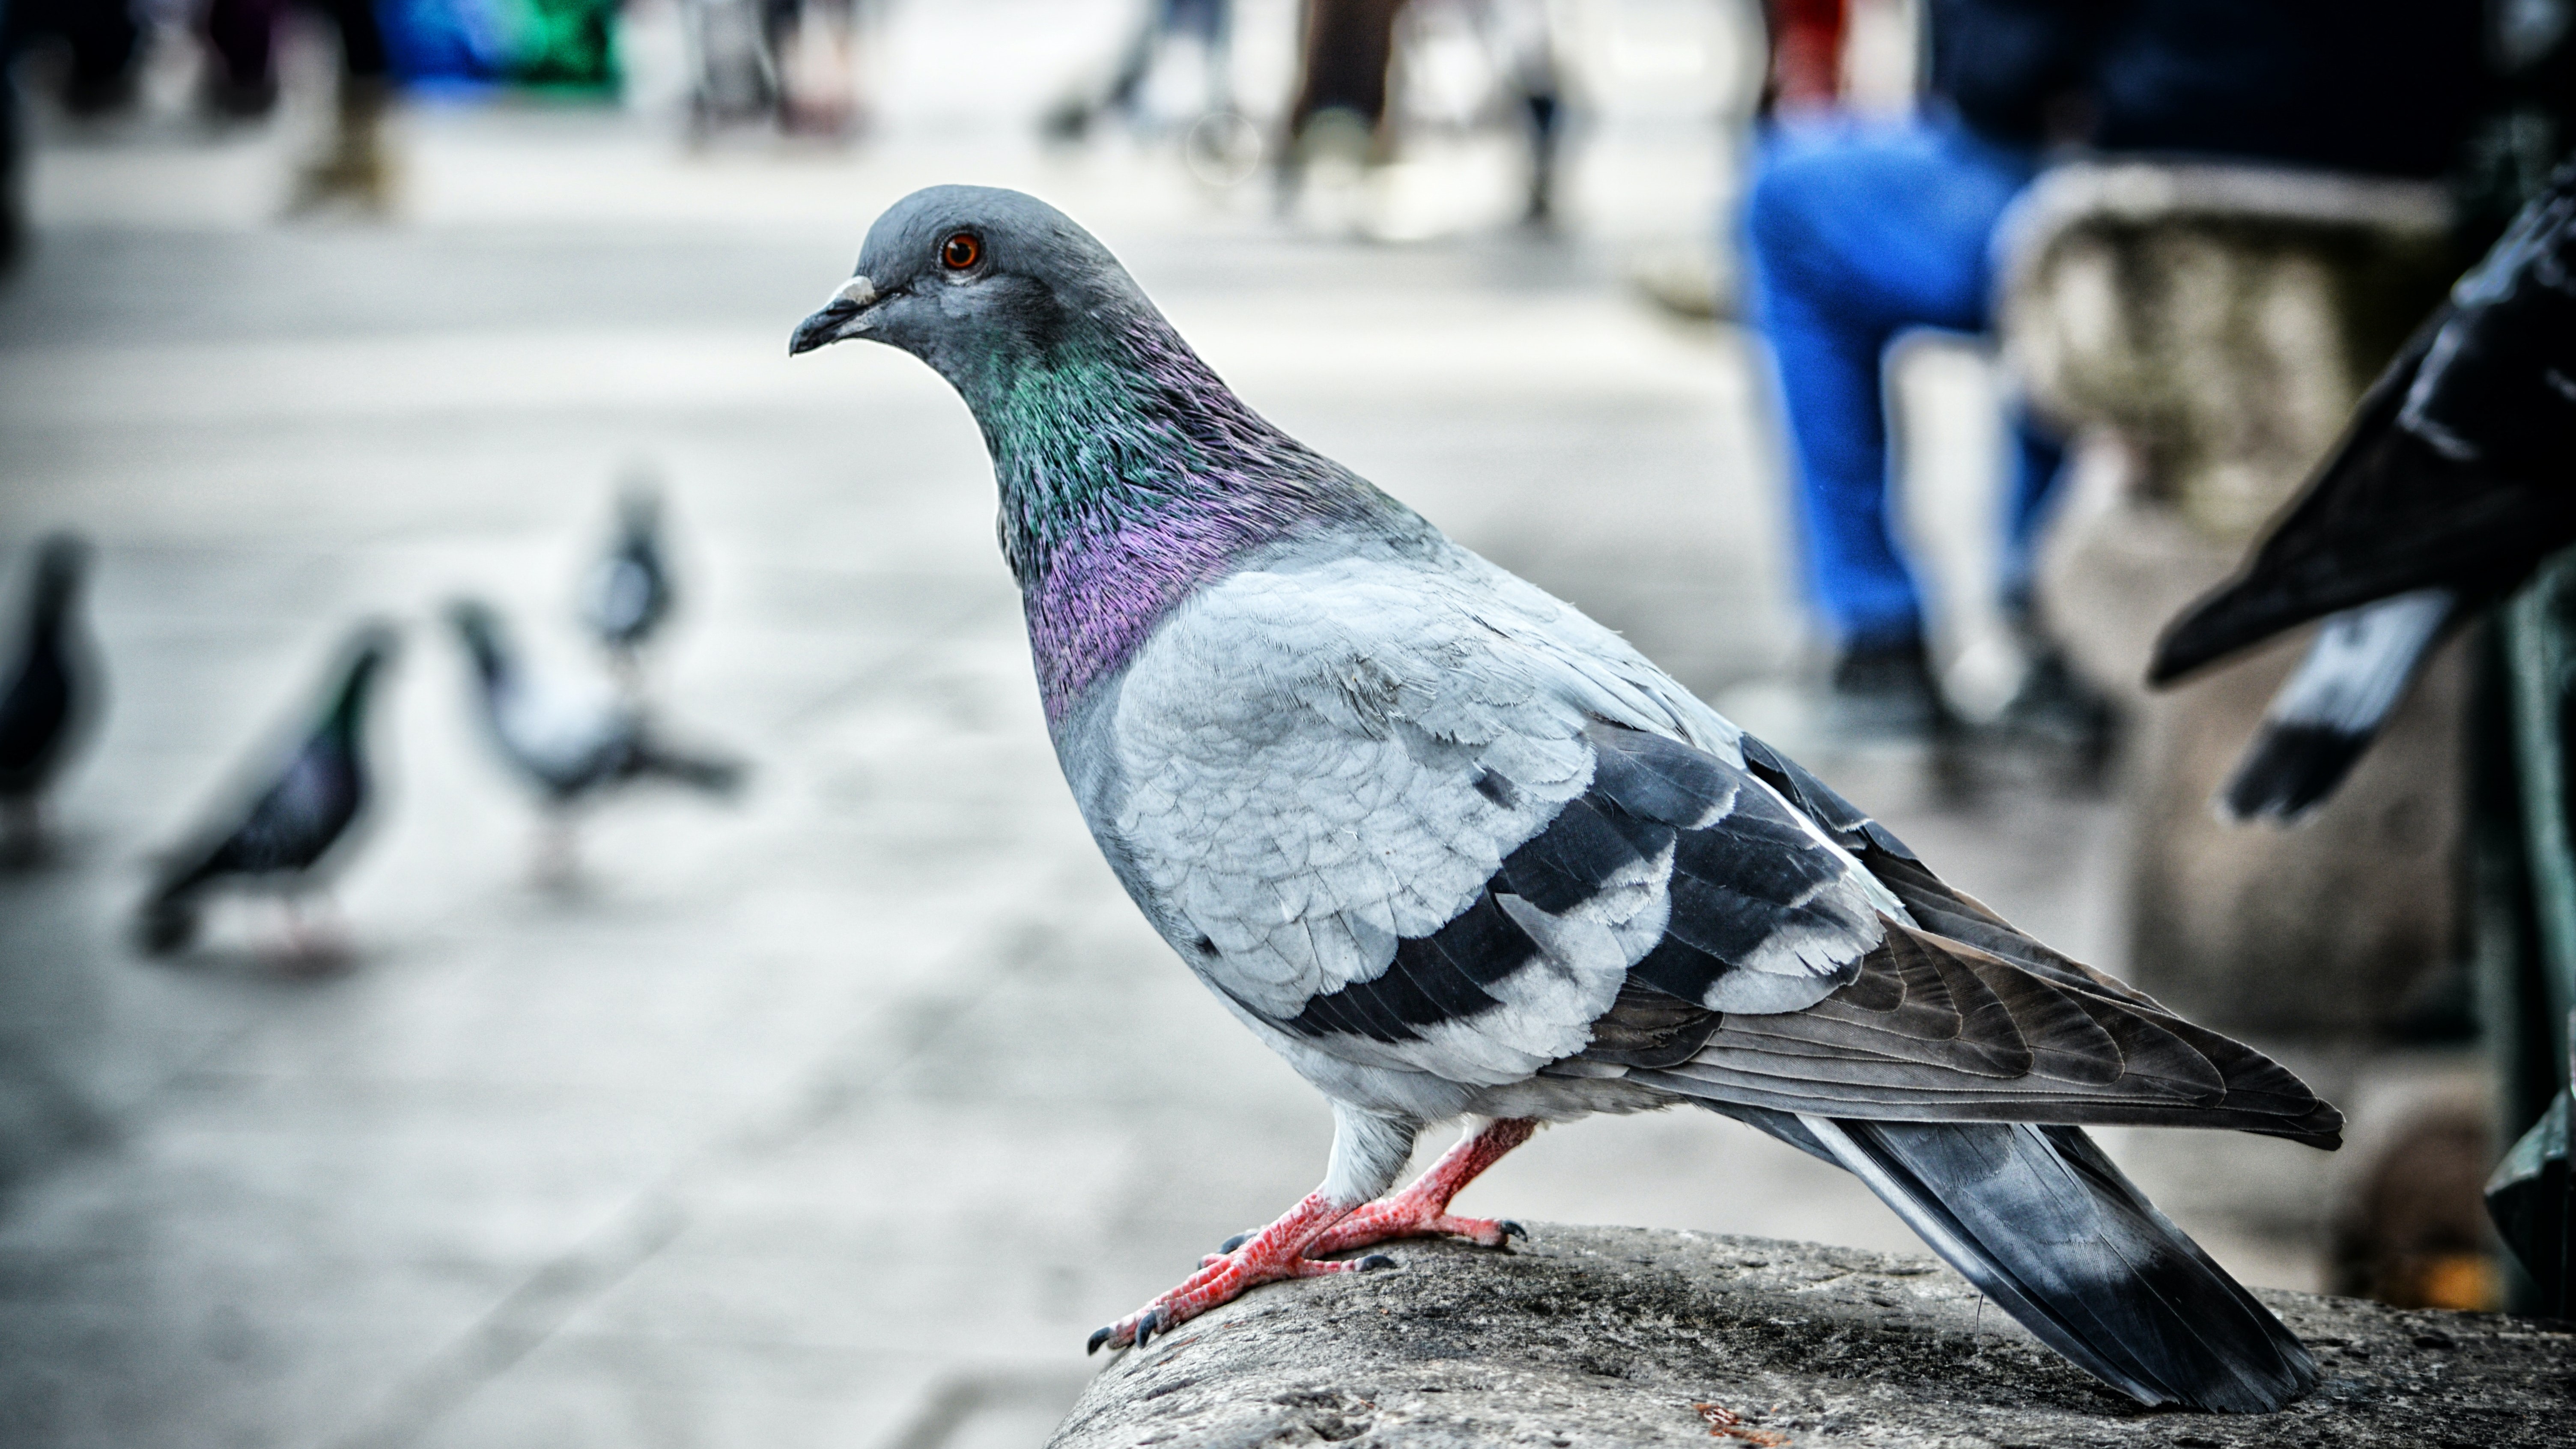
{"points": [[977, 282], [372, 645]]}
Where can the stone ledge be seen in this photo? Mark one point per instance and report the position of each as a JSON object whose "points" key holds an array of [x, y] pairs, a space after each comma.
{"points": [[1616, 1336]]}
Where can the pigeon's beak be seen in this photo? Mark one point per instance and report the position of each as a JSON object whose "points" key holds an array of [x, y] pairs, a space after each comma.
{"points": [[843, 316]]}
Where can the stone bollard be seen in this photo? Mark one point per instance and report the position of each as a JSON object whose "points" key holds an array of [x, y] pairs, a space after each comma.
{"points": [[2203, 332], [1623, 1337]]}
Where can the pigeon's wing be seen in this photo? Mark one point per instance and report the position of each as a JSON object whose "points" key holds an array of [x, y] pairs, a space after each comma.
{"points": [[1414, 815], [289, 823], [1956, 1017], [2455, 470]]}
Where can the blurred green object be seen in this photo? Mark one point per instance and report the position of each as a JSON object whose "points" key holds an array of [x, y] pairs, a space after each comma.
{"points": [[567, 46], [2524, 842]]}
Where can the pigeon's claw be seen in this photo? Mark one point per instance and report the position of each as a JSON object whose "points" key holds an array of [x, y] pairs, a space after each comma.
{"points": [[1422, 1209], [1278, 1251]]}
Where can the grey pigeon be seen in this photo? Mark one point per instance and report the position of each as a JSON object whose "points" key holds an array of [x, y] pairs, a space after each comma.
{"points": [[2455, 479], [51, 694], [570, 743], [629, 592], [294, 824], [1455, 850]]}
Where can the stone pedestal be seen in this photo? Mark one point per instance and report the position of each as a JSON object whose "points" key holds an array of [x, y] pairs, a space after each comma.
{"points": [[1625, 1337], [2204, 332]]}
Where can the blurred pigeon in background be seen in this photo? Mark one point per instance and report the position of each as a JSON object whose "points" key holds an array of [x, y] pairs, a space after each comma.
{"points": [[2452, 484], [572, 741], [628, 593], [50, 697], [292, 831], [1455, 850]]}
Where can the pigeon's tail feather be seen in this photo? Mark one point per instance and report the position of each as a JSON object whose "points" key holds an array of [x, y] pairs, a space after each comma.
{"points": [[2334, 704], [2040, 1219], [710, 773], [2288, 771]]}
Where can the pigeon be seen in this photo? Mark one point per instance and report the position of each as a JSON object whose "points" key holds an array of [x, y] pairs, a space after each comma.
{"points": [[297, 822], [628, 593], [2450, 486], [51, 692], [571, 744], [1456, 851]]}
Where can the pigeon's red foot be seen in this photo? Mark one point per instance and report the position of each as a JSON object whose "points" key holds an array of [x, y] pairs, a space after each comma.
{"points": [[1290, 1247], [1422, 1210], [1277, 1251]]}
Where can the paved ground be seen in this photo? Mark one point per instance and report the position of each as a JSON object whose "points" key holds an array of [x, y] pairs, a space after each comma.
{"points": [[841, 1115]]}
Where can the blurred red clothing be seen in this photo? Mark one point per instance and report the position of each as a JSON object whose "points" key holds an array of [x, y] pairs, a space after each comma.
{"points": [[1806, 53]]}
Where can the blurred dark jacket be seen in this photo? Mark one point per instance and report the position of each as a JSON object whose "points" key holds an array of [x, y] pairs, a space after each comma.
{"points": [[2381, 86]]}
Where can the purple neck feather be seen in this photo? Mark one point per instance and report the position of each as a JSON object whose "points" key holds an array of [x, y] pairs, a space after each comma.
{"points": [[1130, 477]]}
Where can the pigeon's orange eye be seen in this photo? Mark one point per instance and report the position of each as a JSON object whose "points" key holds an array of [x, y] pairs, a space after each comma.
{"points": [[960, 251]]}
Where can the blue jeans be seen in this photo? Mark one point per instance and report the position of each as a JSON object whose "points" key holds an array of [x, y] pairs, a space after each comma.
{"points": [[1858, 233]]}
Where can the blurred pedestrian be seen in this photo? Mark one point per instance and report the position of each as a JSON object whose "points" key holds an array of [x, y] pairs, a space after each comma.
{"points": [[1208, 24], [241, 38], [1860, 231], [1343, 94]]}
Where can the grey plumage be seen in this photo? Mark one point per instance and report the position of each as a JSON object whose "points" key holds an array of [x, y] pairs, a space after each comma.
{"points": [[569, 743], [629, 591], [1454, 849]]}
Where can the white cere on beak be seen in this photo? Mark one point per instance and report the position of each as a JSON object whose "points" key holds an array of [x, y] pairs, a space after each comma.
{"points": [[857, 291]]}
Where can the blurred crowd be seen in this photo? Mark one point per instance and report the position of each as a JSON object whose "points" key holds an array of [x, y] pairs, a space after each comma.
{"points": [[1856, 228]]}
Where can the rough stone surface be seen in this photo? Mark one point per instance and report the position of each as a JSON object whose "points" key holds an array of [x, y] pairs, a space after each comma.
{"points": [[1621, 1336]]}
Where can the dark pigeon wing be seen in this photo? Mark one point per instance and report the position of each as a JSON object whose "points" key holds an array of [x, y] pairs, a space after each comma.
{"points": [[2455, 471], [1959, 1017], [289, 826], [1934, 1031]]}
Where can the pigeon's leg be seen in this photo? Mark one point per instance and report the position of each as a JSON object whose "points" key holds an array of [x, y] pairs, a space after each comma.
{"points": [[317, 944], [1422, 1209], [1368, 1151]]}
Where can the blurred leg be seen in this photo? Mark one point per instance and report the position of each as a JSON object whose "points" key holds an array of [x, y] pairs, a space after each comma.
{"points": [[1137, 63], [362, 38], [104, 39], [1855, 235], [1829, 381], [241, 35], [1349, 44], [353, 167]]}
